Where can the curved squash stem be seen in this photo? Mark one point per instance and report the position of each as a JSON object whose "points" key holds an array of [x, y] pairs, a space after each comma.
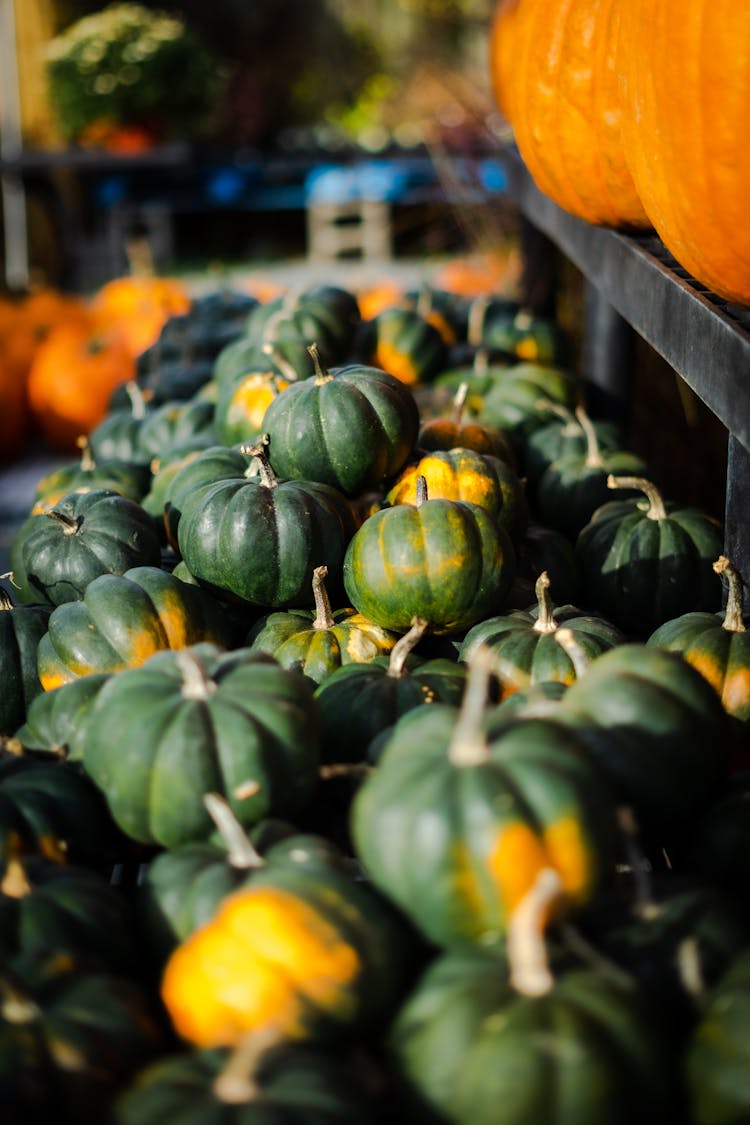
{"points": [[421, 490], [527, 953], [404, 646], [594, 459], [572, 426], [656, 509], [425, 302], [258, 451], [6, 602], [643, 905], [323, 614], [88, 464], [15, 1007], [578, 658], [280, 361], [11, 578], [240, 852], [196, 684], [733, 618], [236, 1084], [475, 323], [14, 883], [481, 364], [137, 398], [459, 403], [321, 376], [468, 744], [690, 970], [545, 622], [70, 525], [331, 770]]}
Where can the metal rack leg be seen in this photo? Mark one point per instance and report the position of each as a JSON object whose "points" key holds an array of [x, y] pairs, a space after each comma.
{"points": [[737, 508], [607, 361]]}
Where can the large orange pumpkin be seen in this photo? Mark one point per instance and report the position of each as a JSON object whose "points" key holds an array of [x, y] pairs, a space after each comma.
{"points": [[72, 377], [502, 54], [686, 99], [566, 107]]}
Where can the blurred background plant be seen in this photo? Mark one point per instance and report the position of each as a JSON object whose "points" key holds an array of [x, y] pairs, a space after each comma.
{"points": [[132, 68], [295, 73]]}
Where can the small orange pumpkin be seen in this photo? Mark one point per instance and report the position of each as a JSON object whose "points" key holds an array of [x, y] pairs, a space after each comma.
{"points": [[72, 377], [139, 307]]}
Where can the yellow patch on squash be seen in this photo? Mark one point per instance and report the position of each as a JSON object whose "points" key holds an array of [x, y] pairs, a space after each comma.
{"points": [[266, 960], [253, 397], [390, 359], [520, 854]]}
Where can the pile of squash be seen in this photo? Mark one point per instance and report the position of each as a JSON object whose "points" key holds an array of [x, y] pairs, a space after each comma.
{"points": [[374, 743], [633, 114]]}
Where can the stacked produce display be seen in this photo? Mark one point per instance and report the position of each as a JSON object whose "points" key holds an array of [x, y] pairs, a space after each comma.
{"points": [[374, 742]]}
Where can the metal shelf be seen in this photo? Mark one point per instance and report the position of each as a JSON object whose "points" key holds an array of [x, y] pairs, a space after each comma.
{"points": [[635, 283], [705, 339]]}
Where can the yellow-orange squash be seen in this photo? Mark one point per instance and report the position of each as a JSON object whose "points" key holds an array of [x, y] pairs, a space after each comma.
{"points": [[686, 107], [301, 951], [566, 107]]}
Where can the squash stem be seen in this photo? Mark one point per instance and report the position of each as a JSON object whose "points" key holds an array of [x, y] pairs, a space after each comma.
{"points": [[475, 323], [594, 459], [236, 1083], [425, 303], [545, 622], [459, 403], [530, 973], [70, 525], [240, 852], [468, 744], [321, 376], [403, 647], [14, 883], [196, 684], [137, 398], [570, 424], [481, 363], [268, 478], [323, 614], [281, 362], [15, 1007], [6, 602], [421, 491], [689, 968], [733, 618], [656, 509], [355, 770], [88, 464]]}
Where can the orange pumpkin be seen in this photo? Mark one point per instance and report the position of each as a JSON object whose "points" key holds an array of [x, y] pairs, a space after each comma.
{"points": [[502, 54], [566, 107], [686, 98], [72, 377], [139, 307], [25, 324]]}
